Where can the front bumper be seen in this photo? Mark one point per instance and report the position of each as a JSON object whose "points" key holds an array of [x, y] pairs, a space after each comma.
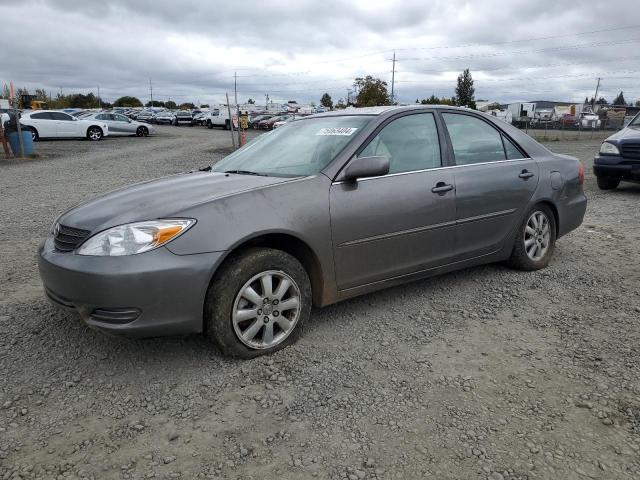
{"points": [[616, 166], [151, 294]]}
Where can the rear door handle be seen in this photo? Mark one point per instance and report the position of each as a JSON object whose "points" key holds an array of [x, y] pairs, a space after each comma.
{"points": [[441, 188], [525, 174]]}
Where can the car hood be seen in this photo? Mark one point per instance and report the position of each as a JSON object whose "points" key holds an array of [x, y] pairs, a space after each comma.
{"points": [[162, 198], [625, 134]]}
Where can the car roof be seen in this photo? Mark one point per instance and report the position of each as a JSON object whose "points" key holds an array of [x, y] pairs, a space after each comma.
{"points": [[375, 111]]}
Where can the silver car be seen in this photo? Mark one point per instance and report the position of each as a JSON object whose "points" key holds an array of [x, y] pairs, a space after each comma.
{"points": [[119, 124], [320, 210]]}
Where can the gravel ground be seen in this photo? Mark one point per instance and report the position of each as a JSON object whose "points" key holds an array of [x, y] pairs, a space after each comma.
{"points": [[485, 373]]}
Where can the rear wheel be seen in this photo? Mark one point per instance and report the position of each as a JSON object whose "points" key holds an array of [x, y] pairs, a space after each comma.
{"points": [[34, 134], [257, 303], [227, 125], [94, 134], [607, 183], [535, 240]]}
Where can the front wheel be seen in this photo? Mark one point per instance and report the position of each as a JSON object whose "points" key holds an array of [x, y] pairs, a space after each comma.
{"points": [[94, 134], [257, 303], [607, 183], [142, 132], [535, 240]]}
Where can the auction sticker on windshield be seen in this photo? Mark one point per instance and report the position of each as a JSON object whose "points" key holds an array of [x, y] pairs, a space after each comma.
{"points": [[344, 131]]}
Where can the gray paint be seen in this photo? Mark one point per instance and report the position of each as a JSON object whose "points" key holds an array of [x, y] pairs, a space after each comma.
{"points": [[363, 235]]}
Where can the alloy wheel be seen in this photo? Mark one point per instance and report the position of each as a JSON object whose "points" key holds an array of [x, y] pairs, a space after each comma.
{"points": [[537, 236], [266, 309], [95, 134]]}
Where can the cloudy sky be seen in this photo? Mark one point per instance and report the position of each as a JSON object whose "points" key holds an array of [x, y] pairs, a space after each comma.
{"points": [[516, 50]]}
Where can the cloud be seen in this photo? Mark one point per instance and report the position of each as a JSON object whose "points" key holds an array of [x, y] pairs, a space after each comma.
{"points": [[517, 50]]}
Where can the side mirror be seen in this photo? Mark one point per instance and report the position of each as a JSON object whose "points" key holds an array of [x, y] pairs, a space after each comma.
{"points": [[363, 167]]}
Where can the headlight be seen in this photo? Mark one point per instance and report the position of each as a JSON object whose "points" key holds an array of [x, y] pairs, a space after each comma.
{"points": [[609, 149], [134, 237]]}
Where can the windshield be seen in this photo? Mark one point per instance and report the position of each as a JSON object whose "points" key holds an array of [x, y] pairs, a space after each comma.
{"points": [[635, 122], [296, 149]]}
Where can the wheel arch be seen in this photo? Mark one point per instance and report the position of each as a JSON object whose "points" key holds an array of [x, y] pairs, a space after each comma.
{"points": [[292, 245], [86, 133], [554, 209]]}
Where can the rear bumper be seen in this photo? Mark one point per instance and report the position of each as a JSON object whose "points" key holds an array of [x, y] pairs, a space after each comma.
{"points": [[150, 294], [616, 166], [571, 214]]}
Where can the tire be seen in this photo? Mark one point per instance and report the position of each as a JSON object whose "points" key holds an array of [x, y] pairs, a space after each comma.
{"points": [[34, 134], [542, 246], [607, 183], [209, 124], [94, 134], [142, 132], [227, 125], [224, 299]]}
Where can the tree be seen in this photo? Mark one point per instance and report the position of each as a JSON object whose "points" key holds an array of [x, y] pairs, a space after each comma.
{"points": [[155, 103], [204, 105], [127, 101], [602, 101], [41, 95], [433, 100], [326, 101], [465, 90], [251, 101], [637, 104], [5, 91], [187, 106], [372, 92], [341, 104], [170, 104], [619, 100]]}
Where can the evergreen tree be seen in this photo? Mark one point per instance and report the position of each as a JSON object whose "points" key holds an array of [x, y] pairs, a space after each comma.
{"points": [[465, 91]]}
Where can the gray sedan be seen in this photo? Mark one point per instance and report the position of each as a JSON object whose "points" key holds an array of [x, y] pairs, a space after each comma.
{"points": [[320, 210], [120, 124]]}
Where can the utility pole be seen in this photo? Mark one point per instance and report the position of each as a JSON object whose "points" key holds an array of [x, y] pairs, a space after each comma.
{"points": [[233, 138], [595, 97], [151, 91], [393, 78], [235, 87], [348, 96], [99, 101], [266, 104]]}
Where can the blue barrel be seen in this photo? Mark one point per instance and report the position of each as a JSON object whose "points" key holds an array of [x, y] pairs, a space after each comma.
{"points": [[27, 140]]}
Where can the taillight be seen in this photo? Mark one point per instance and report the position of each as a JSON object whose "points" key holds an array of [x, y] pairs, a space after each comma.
{"points": [[580, 173]]}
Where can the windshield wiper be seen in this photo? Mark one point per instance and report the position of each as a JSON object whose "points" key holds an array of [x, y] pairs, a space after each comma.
{"points": [[245, 172]]}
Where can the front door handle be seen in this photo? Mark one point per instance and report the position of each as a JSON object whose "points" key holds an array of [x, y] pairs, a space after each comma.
{"points": [[441, 188], [525, 174]]}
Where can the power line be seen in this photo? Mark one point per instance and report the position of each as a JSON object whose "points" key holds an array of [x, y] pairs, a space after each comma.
{"points": [[522, 52], [520, 40]]}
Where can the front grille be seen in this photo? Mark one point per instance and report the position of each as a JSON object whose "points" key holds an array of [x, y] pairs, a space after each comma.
{"points": [[631, 150], [66, 239]]}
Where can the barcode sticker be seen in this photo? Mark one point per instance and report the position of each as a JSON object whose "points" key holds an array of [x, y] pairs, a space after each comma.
{"points": [[343, 131]]}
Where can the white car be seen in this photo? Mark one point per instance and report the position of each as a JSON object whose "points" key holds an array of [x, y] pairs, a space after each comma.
{"points": [[120, 124], [54, 124]]}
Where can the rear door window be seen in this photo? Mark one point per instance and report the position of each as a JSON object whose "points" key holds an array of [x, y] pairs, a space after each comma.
{"points": [[41, 116], [473, 140]]}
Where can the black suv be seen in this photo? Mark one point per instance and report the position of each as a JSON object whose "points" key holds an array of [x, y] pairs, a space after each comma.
{"points": [[619, 157]]}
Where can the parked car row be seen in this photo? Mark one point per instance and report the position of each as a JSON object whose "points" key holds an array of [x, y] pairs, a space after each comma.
{"points": [[90, 125]]}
